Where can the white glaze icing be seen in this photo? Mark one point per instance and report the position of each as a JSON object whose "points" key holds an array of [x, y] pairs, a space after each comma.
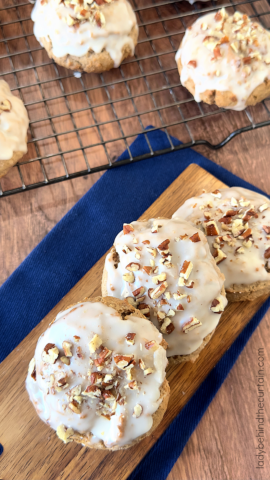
{"points": [[206, 276], [112, 36], [13, 124], [238, 268], [85, 320], [238, 66]]}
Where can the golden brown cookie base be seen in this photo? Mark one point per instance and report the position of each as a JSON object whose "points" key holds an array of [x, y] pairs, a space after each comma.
{"points": [[227, 99], [243, 293], [6, 165], [192, 357], [90, 62], [124, 309]]}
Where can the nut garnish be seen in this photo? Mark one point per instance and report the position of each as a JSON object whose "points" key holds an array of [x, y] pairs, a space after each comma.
{"points": [[151, 345], [130, 338], [67, 348], [211, 228], [126, 249], [96, 378], [266, 229], [216, 193], [137, 411], [141, 364], [148, 371], [159, 278], [263, 207], [191, 324], [129, 277], [32, 368], [138, 292], [133, 267], [144, 309], [163, 248], [195, 238], [65, 360], [5, 106], [92, 391], [50, 353], [217, 305], [75, 407], [157, 292], [95, 343], [64, 433], [132, 385], [122, 361], [127, 228], [219, 256], [167, 326], [186, 269]]}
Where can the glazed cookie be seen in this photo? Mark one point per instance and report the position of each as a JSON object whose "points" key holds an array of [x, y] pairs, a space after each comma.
{"points": [[89, 36], [225, 59], [13, 129], [165, 269], [237, 224], [98, 375]]}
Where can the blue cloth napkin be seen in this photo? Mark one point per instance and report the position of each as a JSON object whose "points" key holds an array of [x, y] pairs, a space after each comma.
{"points": [[76, 243]]}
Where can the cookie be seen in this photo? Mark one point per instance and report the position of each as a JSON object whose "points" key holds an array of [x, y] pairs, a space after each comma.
{"points": [[85, 36], [165, 269], [225, 60], [14, 123], [236, 222], [98, 375]]}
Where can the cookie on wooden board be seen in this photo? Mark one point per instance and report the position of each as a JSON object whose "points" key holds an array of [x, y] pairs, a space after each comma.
{"points": [[236, 222], [98, 375], [85, 36], [165, 269], [225, 60], [14, 123]]}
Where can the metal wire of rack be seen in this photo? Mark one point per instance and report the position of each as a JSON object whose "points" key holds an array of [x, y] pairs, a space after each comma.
{"points": [[79, 125]]}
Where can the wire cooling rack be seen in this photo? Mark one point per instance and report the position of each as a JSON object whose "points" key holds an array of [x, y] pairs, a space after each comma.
{"points": [[80, 124]]}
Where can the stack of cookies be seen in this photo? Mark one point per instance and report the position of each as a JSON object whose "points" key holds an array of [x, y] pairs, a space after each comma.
{"points": [[98, 376]]}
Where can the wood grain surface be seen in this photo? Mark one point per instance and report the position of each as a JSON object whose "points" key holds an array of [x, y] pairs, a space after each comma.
{"points": [[223, 445], [32, 450]]}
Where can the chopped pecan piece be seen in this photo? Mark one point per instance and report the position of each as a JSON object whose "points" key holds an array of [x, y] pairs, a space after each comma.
{"points": [[211, 228], [127, 228], [191, 324], [186, 269], [195, 238], [130, 338], [137, 411], [50, 353]]}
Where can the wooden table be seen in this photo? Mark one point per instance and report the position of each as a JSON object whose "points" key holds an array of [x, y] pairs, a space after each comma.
{"points": [[223, 445]]}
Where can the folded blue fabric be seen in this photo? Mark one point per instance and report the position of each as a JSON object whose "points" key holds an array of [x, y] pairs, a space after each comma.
{"points": [[76, 243]]}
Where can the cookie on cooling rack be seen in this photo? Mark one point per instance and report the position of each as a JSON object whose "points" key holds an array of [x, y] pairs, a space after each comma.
{"points": [[237, 224], [14, 123], [165, 269], [98, 375], [225, 60], [86, 36]]}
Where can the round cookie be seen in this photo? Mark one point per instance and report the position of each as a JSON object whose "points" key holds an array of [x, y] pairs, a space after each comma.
{"points": [[85, 36], [165, 269], [225, 60], [13, 129], [98, 375], [236, 222]]}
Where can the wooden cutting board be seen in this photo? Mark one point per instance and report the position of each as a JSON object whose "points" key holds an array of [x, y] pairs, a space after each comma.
{"points": [[32, 450]]}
